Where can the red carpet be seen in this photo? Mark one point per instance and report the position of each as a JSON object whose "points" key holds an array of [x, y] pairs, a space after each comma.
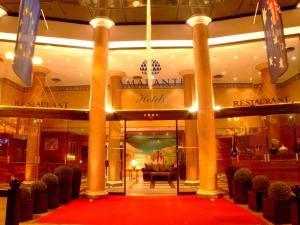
{"points": [[140, 210]]}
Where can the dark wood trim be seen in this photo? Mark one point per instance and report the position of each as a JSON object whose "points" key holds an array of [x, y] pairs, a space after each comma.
{"points": [[72, 114]]}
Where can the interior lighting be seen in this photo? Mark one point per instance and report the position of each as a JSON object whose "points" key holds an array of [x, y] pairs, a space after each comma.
{"points": [[235, 57], [152, 77], [135, 3], [193, 109], [294, 58], [235, 79], [48, 61], [250, 78], [171, 65], [131, 66], [9, 55], [255, 57], [217, 108], [71, 157], [109, 109], [298, 6], [2, 12], [67, 60], [37, 60], [133, 164], [223, 72], [81, 74]]}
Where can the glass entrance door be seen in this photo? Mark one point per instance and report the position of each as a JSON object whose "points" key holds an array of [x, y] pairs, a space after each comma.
{"points": [[151, 157]]}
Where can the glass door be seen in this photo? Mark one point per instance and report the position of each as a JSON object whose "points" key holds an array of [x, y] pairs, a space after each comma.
{"points": [[151, 157]]}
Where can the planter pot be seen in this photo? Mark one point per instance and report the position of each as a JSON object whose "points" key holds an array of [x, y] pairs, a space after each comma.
{"points": [[295, 211], [25, 210], [76, 186], [276, 211], [255, 200], [241, 191], [40, 202], [53, 197], [65, 191]]}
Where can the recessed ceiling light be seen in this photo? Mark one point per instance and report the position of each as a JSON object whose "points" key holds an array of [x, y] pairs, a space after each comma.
{"points": [[218, 76], [265, 47], [67, 60], [56, 80], [81, 74], [234, 78], [37, 60], [131, 66], [250, 78], [290, 49], [171, 65], [87, 59], [223, 72], [152, 77], [294, 58], [48, 61], [129, 57], [235, 57], [255, 57], [9, 55], [172, 56], [259, 73], [135, 3]]}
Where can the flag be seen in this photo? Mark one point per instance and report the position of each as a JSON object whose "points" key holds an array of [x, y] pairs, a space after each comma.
{"points": [[29, 15], [274, 37]]}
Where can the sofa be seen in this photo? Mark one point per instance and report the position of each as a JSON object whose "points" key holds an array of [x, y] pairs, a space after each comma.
{"points": [[159, 172]]}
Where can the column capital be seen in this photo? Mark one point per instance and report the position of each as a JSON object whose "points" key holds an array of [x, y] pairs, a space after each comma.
{"points": [[262, 66], [186, 72], [101, 21], [40, 69], [198, 19]]}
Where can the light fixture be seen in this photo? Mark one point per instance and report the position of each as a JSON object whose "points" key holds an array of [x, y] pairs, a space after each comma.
{"points": [[171, 65], [251, 79], [48, 61], [217, 108], [294, 58], [71, 157], [109, 109], [223, 72], [255, 57], [9, 55], [81, 74], [234, 78], [2, 12], [131, 66], [298, 6], [133, 164], [235, 57], [37, 61], [135, 3], [193, 109], [67, 60], [172, 56], [152, 77]]}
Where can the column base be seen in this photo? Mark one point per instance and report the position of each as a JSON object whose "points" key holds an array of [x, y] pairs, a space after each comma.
{"points": [[114, 183], [95, 194], [207, 194], [191, 182]]}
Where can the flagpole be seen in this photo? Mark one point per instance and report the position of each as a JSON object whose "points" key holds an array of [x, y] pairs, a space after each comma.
{"points": [[44, 19]]}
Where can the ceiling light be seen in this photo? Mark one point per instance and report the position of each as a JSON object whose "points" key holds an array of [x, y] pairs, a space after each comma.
{"points": [[234, 78], [235, 57], [172, 56], [192, 109], [171, 65], [223, 72], [217, 108], [290, 49], [37, 60], [129, 57], [48, 61], [265, 47], [56, 80], [131, 66], [294, 58], [218, 76], [67, 60], [250, 78], [259, 73], [81, 74], [298, 6], [255, 57], [9, 55], [135, 3], [152, 77], [2, 12], [87, 59]]}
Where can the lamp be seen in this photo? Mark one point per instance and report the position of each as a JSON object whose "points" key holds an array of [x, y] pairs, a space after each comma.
{"points": [[133, 164], [2, 12]]}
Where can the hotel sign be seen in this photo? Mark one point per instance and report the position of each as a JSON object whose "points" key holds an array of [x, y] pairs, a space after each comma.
{"points": [[260, 101], [157, 83]]}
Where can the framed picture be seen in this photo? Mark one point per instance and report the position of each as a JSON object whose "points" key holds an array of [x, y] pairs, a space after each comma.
{"points": [[51, 144]]}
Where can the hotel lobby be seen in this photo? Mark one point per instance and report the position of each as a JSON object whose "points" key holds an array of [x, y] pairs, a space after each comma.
{"points": [[207, 103]]}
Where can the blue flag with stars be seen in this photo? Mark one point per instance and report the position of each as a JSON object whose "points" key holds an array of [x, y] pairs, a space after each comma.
{"points": [[274, 37], [29, 15]]}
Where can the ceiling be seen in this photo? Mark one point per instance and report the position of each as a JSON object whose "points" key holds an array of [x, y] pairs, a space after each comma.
{"points": [[134, 11], [73, 66]]}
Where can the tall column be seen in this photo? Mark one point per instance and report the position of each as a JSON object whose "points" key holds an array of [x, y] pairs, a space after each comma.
{"points": [[191, 144], [269, 91], [205, 115], [114, 153], [97, 116], [34, 126]]}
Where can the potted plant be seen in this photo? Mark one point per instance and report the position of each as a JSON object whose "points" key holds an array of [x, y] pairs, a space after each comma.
{"points": [[39, 196], [276, 205], [230, 178], [64, 175], [295, 206], [25, 205], [242, 184], [52, 189], [76, 182], [260, 185]]}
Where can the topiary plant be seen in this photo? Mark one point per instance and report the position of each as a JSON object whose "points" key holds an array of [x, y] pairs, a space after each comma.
{"points": [[243, 175], [279, 191], [260, 184], [25, 194], [38, 187], [63, 173], [50, 179]]}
